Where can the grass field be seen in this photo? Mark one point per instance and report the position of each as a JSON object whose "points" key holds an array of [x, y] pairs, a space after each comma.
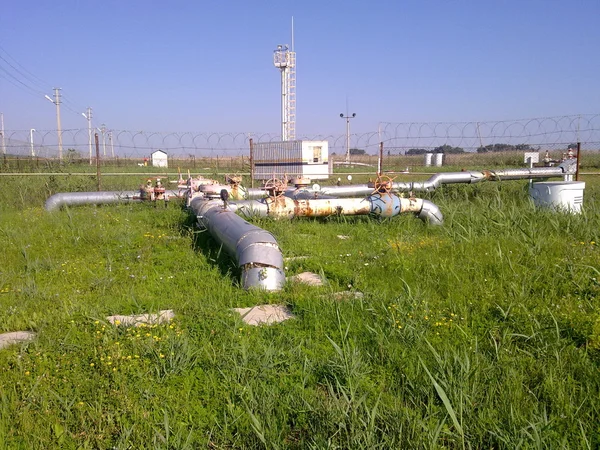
{"points": [[482, 333]]}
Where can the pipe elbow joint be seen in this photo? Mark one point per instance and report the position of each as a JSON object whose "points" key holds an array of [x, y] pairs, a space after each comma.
{"points": [[431, 213], [54, 202]]}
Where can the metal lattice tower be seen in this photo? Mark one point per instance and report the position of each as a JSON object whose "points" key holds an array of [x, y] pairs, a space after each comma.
{"points": [[285, 60]]}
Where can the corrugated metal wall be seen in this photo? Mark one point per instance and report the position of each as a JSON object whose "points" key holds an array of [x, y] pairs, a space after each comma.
{"points": [[276, 159]]}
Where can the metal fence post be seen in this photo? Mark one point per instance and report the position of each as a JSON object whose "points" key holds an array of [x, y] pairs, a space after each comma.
{"points": [[380, 164], [578, 153], [251, 163], [97, 161]]}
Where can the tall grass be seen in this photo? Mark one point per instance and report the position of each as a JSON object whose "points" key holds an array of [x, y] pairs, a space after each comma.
{"points": [[483, 333]]}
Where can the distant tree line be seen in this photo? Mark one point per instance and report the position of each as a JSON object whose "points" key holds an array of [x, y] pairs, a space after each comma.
{"points": [[446, 149], [357, 151], [493, 148]]}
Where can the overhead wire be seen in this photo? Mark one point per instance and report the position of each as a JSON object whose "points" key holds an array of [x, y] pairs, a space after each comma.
{"points": [[27, 79], [32, 77], [29, 90]]}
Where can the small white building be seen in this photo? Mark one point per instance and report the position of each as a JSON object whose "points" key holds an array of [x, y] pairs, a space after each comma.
{"points": [[159, 159], [306, 159]]}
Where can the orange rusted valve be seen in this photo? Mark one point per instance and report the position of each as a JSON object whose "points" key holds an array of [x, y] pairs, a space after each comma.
{"points": [[275, 187], [383, 185]]}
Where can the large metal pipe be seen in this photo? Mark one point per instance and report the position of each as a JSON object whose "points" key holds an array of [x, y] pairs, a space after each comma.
{"points": [[59, 200], [382, 205], [437, 180], [431, 213], [255, 250], [519, 174], [566, 168]]}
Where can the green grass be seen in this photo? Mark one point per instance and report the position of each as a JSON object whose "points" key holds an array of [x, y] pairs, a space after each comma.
{"points": [[483, 333]]}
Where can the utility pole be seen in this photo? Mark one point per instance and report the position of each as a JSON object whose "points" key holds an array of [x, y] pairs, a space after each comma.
{"points": [[110, 141], [88, 116], [31, 141], [97, 161], [103, 130], [56, 101], [348, 117], [3, 142]]}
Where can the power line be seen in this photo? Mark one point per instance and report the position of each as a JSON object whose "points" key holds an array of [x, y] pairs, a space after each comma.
{"points": [[29, 77], [35, 79], [30, 90]]}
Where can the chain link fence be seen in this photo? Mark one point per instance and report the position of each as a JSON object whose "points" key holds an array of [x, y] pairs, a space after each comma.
{"points": [[404, 144]]}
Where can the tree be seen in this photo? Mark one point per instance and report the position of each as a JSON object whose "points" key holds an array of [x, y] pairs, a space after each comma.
{"points": [[357, 151], [524, 147], [494, 148], [448, 149], [416, 151]]}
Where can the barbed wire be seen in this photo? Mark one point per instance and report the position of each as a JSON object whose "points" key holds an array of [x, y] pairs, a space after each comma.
{"points": [[470, 136], [398, 138]]}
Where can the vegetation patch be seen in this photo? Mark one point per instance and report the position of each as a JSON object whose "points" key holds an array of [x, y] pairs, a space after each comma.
{"points": [[482, 333]]}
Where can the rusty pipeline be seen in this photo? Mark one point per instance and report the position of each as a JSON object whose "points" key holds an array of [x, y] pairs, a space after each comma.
{"points": [[378, 204]]}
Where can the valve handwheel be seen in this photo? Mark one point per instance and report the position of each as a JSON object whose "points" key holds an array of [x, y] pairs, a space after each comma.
{"points": [[383, 184], [275, 187]]}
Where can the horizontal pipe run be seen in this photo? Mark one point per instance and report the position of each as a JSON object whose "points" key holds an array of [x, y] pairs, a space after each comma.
{"points": [[59, 200], [382, 205], [468, 177], [525, 173]]}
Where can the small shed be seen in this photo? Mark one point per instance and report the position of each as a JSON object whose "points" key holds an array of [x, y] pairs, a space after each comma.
{"points": [[306, 159], [159, 159]]}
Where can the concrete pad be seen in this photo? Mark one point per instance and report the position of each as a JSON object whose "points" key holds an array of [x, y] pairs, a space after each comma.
{"points": [[343, 237], [347, 295], [164, 316], [15, 337], [312, 279], [264, 314]]}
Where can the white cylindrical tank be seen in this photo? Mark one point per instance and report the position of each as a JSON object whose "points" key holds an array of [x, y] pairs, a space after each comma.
{"points": [[562, 195], [428, 158], [438, 159]]}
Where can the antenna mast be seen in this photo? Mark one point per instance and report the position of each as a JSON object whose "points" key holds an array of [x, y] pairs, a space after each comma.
{"points": [[284, 59]]}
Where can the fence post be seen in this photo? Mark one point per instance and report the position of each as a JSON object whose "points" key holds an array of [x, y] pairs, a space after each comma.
{"points": [[97, 161], [251, 163], [578, 153], [380, 163]]}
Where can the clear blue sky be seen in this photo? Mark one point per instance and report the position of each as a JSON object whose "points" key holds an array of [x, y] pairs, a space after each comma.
{"points": [[207, 65]]}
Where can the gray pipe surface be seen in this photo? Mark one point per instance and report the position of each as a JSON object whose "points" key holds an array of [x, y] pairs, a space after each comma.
{"points": [[435, 181], [255, 250], [59, 200], [431, 213], [518, 174]]}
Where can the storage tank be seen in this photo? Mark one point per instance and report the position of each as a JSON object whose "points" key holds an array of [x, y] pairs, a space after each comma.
{"points": [[562, 195], [428, 158], [438, 159]]}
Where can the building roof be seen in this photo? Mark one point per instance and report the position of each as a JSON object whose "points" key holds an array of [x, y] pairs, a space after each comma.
{"points": [[159, 151]]}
